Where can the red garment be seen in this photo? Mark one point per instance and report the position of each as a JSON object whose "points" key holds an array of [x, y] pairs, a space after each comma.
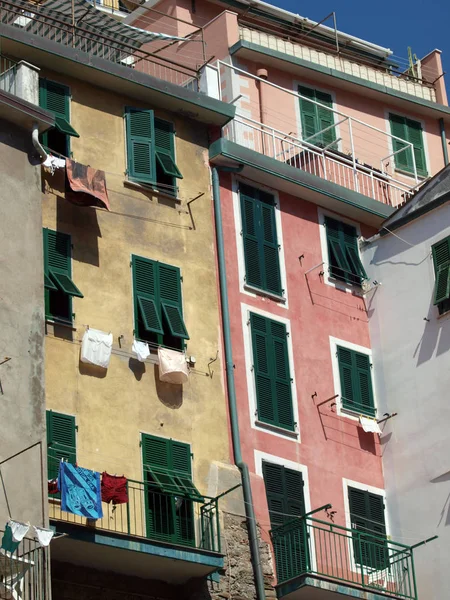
{"points": [[88, 183], [114, 489], [53, 486]]}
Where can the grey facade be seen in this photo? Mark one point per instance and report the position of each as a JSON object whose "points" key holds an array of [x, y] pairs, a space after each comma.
{"points": [[411, 351]]}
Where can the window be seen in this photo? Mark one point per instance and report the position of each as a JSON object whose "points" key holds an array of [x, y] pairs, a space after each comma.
{"points": [[410, 131], [315, 119], [169, 490], [356, 381], [151, 150], [367, 516], [259, 231], [158, 309], [61, 442], [343, 252], [56, 98], [441, 261], [272, 373], [285, 500], [59, 287]]}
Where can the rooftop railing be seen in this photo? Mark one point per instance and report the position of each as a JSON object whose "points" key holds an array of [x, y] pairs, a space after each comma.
{"points": [[176, 518], [24, 573], [361, 559]]}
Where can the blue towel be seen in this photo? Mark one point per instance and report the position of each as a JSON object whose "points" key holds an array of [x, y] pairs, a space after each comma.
{"points": [[80, 491]]}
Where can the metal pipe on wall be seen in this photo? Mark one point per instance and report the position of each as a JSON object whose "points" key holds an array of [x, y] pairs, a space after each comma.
{"points": [[443, 140], [229, 366]]}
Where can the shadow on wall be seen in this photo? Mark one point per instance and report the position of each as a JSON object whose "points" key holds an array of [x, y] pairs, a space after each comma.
{"points": [[435, 337], [170, 394], [446, 508]]}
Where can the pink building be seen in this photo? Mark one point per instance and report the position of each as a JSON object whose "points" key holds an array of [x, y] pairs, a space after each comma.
{"points": [[330, 135]]}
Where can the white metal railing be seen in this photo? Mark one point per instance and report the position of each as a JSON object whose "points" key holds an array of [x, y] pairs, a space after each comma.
{"points": [[322, 162], [359, 155]]}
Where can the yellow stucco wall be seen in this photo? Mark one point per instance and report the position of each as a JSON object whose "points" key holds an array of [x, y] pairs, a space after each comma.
{"points": [[113, 407]]}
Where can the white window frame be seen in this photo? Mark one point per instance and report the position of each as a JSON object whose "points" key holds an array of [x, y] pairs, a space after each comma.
{"points": [[298, 117], [334, 343], [346, 483], [294, 436], [387, 112], [259, 457], [327, 278], [244, 288]]}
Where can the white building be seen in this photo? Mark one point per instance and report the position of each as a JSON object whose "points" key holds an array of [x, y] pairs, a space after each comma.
{"points": [[409, 315]]}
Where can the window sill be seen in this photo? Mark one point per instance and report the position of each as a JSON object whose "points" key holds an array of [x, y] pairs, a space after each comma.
{"points": [[150, 188], [353, 288], [260, 292], [57, 323], [420, 176], [286, 432], [349, 412]]}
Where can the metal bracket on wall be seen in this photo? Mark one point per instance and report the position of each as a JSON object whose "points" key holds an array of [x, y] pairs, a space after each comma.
{"points": [[386, 417], [213, 360], [5, 360]]}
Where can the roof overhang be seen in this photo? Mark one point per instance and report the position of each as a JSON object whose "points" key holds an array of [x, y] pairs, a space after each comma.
{"points": [[23, 113], [106, 74], [337, 79], [280, 176]]}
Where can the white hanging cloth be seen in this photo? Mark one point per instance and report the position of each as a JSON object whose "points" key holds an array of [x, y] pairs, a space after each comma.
{"points": [[369, 425], [19, 530], [53, 162], [42, 535], [96, 347], [141, 350], [173, 367]]}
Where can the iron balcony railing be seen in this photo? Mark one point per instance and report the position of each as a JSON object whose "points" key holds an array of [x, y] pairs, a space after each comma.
{"points": [[178, 519], [24, 573], [8, 74], [306, 545]]}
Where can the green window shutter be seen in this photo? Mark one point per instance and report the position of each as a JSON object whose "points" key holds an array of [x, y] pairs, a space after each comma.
{"points": [[55, 97], [273, 481], [325, 119], [61, 441], [261, 251], [415, 136], [146, 301], [308, 115], [170, 295], [57, 263], [367, 516], [356, 381], [141, 145], [441, 262], [165, 148], [155, 452], [272, 373], [344, 260], [402, 160], [181, 458]]}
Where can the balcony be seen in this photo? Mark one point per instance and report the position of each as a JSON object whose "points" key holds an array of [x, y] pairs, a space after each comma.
{"points": [[24, 572], [154, 535], [318, 559]]}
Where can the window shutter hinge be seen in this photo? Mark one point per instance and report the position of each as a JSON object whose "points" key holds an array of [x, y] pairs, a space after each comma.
{"points": [[76, 427], [140, 443], [181, 278], [292, 381]]}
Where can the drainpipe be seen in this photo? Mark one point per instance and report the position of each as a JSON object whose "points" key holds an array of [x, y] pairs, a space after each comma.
{"points": [[263, 75], [242, 466], [36, 143], [443, 140]]}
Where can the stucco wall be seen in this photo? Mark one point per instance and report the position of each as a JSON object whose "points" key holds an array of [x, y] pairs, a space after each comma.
{"points": [[22, 411], [411, 352], [113, 407]]}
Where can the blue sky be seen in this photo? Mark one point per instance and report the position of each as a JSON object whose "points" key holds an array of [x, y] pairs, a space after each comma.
{"points": [[395, 25]]}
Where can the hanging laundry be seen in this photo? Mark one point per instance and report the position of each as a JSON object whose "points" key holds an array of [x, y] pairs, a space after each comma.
{"points": [[43, 536], [173, 367], [80, 491], [96, 347], [15, 531], [52, 486], [141, 350], [88, 185], [369, 425], [53, 163], [114, 489]]}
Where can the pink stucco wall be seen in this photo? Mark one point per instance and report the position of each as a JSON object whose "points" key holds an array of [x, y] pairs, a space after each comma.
{"points": [[332, 447]]}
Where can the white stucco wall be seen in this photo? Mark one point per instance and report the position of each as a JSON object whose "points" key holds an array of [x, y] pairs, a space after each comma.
{"points": [[411, 353]]}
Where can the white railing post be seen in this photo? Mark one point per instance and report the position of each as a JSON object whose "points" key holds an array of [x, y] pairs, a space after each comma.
{"points": [[352, 146], [414, 163], [274, 144]]}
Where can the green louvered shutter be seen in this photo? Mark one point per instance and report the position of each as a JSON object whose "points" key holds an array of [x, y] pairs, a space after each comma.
{"points": [[350, 244], [308, 114], [348, 394], [325, 118], [402, 160], [61, 441], [145, 296], [338, 266], [363, 377], [181, 464], [367, 516], [170, 297], [272, 373], [441, 261], [415, 136], [54, 97], [271, 258], [356, 381], [141, 145], [181, 457], [165, 148], [58, 263], [250, 229]]}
